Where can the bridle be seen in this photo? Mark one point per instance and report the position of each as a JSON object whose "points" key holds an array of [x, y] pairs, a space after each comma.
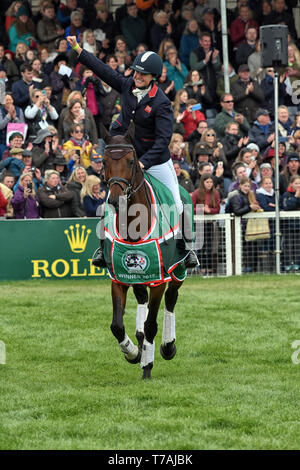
{"points": [[128, 190]]}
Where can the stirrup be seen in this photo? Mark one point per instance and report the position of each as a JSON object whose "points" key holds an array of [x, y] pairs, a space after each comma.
{"points": [[98, 259]]}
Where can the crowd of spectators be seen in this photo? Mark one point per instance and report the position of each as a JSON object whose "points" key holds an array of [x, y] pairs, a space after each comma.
{"points": [[222, 147]]}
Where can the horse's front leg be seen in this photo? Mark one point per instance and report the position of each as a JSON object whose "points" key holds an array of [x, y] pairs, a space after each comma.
{"points": [[150, 330], [131, 352]]}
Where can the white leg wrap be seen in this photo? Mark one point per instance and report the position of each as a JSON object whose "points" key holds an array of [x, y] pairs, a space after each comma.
{"points": [[147, 353], [141, 315], [128, 348], [168, 334]]}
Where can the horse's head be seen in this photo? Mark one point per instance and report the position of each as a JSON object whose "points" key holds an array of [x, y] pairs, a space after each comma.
{"points": [[120, 164]]}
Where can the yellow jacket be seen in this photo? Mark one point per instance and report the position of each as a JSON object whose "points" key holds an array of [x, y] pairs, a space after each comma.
{"points": [[84, 154]]}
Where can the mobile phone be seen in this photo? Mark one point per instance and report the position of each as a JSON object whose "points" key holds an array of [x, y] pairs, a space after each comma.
{"points": [[196, 107], [220, 164], [44, 92], [29, 186], [252, 158]]}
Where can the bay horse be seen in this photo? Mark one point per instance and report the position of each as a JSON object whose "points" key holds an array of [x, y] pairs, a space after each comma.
{"points": [[125, 179]]}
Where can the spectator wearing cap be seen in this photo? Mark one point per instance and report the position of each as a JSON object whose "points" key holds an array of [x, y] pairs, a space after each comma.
{"points": [[266, 171], [55, 199], [93, 195], [25, 201], [9, 113], [61, 83], [247, 94], [80, 144], [96, 166], [21, 88], [49, 28], [292, 168], [40, 113], [262, 130], [202, 153], [229, 114], [60, 165], [45, 149], [22, 30], [14, 163]]}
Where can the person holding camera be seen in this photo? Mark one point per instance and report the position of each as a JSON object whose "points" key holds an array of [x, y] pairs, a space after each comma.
{"points": [[83, 148], [92, 90], [45, 149], [191, 117], [25, 201], [195, 86], [40, 113]]}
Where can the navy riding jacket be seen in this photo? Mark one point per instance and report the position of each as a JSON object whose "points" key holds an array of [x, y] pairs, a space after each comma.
{"points": [[152, 116]]}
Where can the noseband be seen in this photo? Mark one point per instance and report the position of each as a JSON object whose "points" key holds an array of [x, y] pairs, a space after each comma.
{"points": [[120, 151]]}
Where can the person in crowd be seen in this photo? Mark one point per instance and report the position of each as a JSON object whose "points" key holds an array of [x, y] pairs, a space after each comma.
{"points": [[190, 117], [64, 12], [61, 83], [39, 78], [266, 170], [207, 62], [14, 163], [25, 201], [280, 15], [92, 89], [183, 178], [189, 41], [262, 130], [166, 85], [9, 66], [240, 202], [252, 170], [89, 42], [209, 138], [9, 113], [105, 30], [153, 154], [76, 183], [196, 136], [209, 198], [291, 169], [121, 46], [267, 86], [23, 29], [60, 165], [164, 46], [49, 28], [20, 54], [239, 170], [232, 75], [96, 167], [3, 204], [291, 202], [21, 89], [75, 114], [76, 27], [160, 30], [55, 199], [45, 149], [40, 114], [15, 140], [81, 145], [93, 196], [195, 86], [177, 154], [232, 144], [11, 13], [265, 194], [246, 48], [247, 94], [254, 63], [6, 185], [176, 70], [228, 114], [133, 28], [285, 124], [237, 29], [29, 168], [111, 105]]}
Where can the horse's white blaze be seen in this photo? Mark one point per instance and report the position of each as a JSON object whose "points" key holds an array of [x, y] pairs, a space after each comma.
{"points": [[128, 348], [147, 353], [141, 315], [168, 334]]}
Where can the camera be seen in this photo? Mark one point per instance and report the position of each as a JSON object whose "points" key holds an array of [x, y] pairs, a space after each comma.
{"points": [[77, 151], [33, 168]]}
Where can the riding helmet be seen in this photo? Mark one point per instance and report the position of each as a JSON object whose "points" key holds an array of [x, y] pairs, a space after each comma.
{"points": [[148, 62]]}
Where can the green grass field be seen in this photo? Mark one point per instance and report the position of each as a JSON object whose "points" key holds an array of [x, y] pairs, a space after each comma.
{"points": [[232, 384]]}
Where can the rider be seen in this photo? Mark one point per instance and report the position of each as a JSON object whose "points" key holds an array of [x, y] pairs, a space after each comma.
{"points": [[150, 109]]}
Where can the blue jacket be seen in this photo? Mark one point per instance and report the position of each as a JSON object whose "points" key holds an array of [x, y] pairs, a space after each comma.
{"points": [[20, 91], [152, 116], [264, 199]]}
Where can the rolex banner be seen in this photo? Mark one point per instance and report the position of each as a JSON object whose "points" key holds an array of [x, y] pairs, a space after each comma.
{"points": [[49, 249]]}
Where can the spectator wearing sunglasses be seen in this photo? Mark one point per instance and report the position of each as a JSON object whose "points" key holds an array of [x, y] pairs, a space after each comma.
{"points": [[228, 114], [77, 142]]}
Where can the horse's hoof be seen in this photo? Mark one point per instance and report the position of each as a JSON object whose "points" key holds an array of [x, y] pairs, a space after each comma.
{"points": [[147, 371], [168, 351], [135, 360]]}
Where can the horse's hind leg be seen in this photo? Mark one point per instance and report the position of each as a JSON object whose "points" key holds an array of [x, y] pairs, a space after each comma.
{"points": [[141, 295], [168, 348], [131, 352], [150, 328]]}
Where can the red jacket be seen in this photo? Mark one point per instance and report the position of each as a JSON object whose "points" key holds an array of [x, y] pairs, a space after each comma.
{"points": [[237, 31], [3, 204], [189, 123], [207, 201]]}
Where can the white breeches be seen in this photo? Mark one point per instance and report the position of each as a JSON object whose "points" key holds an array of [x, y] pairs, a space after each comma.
{"points": [[166, 174]]}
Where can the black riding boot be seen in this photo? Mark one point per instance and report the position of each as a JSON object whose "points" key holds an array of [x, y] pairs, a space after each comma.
{"points": [[98, 257], [191, 261]]}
